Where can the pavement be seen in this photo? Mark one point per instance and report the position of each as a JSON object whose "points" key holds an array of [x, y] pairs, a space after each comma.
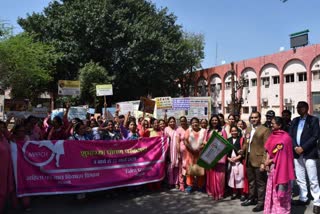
{"points": [[137, 201]]}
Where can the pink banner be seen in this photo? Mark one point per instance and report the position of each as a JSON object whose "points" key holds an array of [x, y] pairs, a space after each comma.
{"points": [[68, 166]]}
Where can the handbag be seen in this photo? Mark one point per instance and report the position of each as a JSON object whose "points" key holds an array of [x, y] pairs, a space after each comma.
{"points": [[195, 170]]}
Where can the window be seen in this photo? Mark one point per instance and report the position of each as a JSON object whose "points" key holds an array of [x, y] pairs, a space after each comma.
{"points": [[227, 110], [254, 108], [276, 80], [228, 85], [316, 75], [245, 110], [253, 82], [302, 77], [289, 78], [245, 83], [265, 81]]}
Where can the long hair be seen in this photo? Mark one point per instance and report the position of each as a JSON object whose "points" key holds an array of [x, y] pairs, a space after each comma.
{"points": [[219, 128]]}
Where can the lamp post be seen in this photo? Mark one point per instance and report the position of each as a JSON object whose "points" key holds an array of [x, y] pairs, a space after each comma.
{"points": [[236, 101]]}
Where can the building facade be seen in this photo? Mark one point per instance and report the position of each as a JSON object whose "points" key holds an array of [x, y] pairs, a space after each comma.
{"points": [[277, 81]]}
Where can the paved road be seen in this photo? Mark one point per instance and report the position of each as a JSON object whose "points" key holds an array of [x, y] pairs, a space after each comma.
{"points": [[164, 202]]}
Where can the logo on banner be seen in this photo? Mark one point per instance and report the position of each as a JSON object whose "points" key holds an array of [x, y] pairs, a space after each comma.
{"points": [[41, 153]]}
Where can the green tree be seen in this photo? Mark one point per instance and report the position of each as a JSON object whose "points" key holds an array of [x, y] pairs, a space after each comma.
{"points": [[141, 46], [92, 74], [194, 45], [26, 66]]}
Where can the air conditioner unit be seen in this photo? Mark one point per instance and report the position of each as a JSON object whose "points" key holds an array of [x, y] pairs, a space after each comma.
{"points": [[218, 86], [228, 102], [264, 100], [267, 83], [219, 102], [287, 100]]}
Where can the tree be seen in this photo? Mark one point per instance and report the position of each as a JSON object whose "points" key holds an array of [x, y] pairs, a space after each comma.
{"points": [[92, 74], [193, 54], [26, 66], [141, 46]]}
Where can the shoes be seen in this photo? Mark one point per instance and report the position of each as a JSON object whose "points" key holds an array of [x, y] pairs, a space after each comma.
{"points": [[316, 209], [202, 189], [249, 202], [258, 208], [233, 197], [300, 203], [182, 189], [243, 198], [189, 189]]}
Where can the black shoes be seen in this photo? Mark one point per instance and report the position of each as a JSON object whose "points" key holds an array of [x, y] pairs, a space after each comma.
{"points": [[258, 208], [235, 196], [316, 209], [300, 203], [243, 198], [249, 202]]}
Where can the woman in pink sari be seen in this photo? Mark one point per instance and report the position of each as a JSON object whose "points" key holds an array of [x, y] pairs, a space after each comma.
{"points": [[216, 176], [173, 167], [182, 150], [279, 163], [7, 190]]}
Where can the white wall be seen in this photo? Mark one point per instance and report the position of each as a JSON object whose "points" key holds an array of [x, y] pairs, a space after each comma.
{"points": [[271, 93], [315, 83], [249, 94], [216, 96], [296, 91]]}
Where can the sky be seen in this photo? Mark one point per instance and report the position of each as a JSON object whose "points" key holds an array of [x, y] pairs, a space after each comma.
{"points": [[233, 30]]}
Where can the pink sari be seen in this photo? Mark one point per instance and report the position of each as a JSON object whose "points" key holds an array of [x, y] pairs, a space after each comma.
{"points": [[7, 189], [279, 148], [182, 155], [173, 167], [215, 185]]}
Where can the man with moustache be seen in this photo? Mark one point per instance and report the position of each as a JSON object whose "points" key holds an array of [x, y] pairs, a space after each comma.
{"points": [[255, 154]]}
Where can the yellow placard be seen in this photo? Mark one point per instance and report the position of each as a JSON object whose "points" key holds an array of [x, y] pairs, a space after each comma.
{"points": [[104, 90]]}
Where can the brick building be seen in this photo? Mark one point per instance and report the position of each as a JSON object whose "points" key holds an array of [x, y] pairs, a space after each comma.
{"points": [[277, 81]]}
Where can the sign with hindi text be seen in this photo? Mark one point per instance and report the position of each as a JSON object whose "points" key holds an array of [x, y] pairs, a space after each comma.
{"points": [[67, 166]]}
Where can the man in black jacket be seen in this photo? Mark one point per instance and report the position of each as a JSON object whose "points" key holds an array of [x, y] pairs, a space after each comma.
{"points": [[304, 131]]}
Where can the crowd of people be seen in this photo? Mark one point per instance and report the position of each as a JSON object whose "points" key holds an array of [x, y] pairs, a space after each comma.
{"points": [[260, 170]]}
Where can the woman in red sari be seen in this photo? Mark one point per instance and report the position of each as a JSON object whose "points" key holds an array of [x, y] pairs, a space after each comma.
{"points": [[7, 191], [279, 163], [216, 176]]}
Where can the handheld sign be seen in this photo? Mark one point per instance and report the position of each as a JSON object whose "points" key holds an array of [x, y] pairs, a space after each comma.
{"points": [[163, 102], [68, 87], [104, 90], [146, 105], [215, 149]]}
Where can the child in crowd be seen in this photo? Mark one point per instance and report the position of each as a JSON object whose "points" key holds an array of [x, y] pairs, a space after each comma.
{"points": [[236, 176]]}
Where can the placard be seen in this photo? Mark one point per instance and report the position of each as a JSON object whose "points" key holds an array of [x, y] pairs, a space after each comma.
{"points": [[68, 87], [125, 107], [214, 150], [77, 112], [146, 105], [104, 90], [163, 102]]}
